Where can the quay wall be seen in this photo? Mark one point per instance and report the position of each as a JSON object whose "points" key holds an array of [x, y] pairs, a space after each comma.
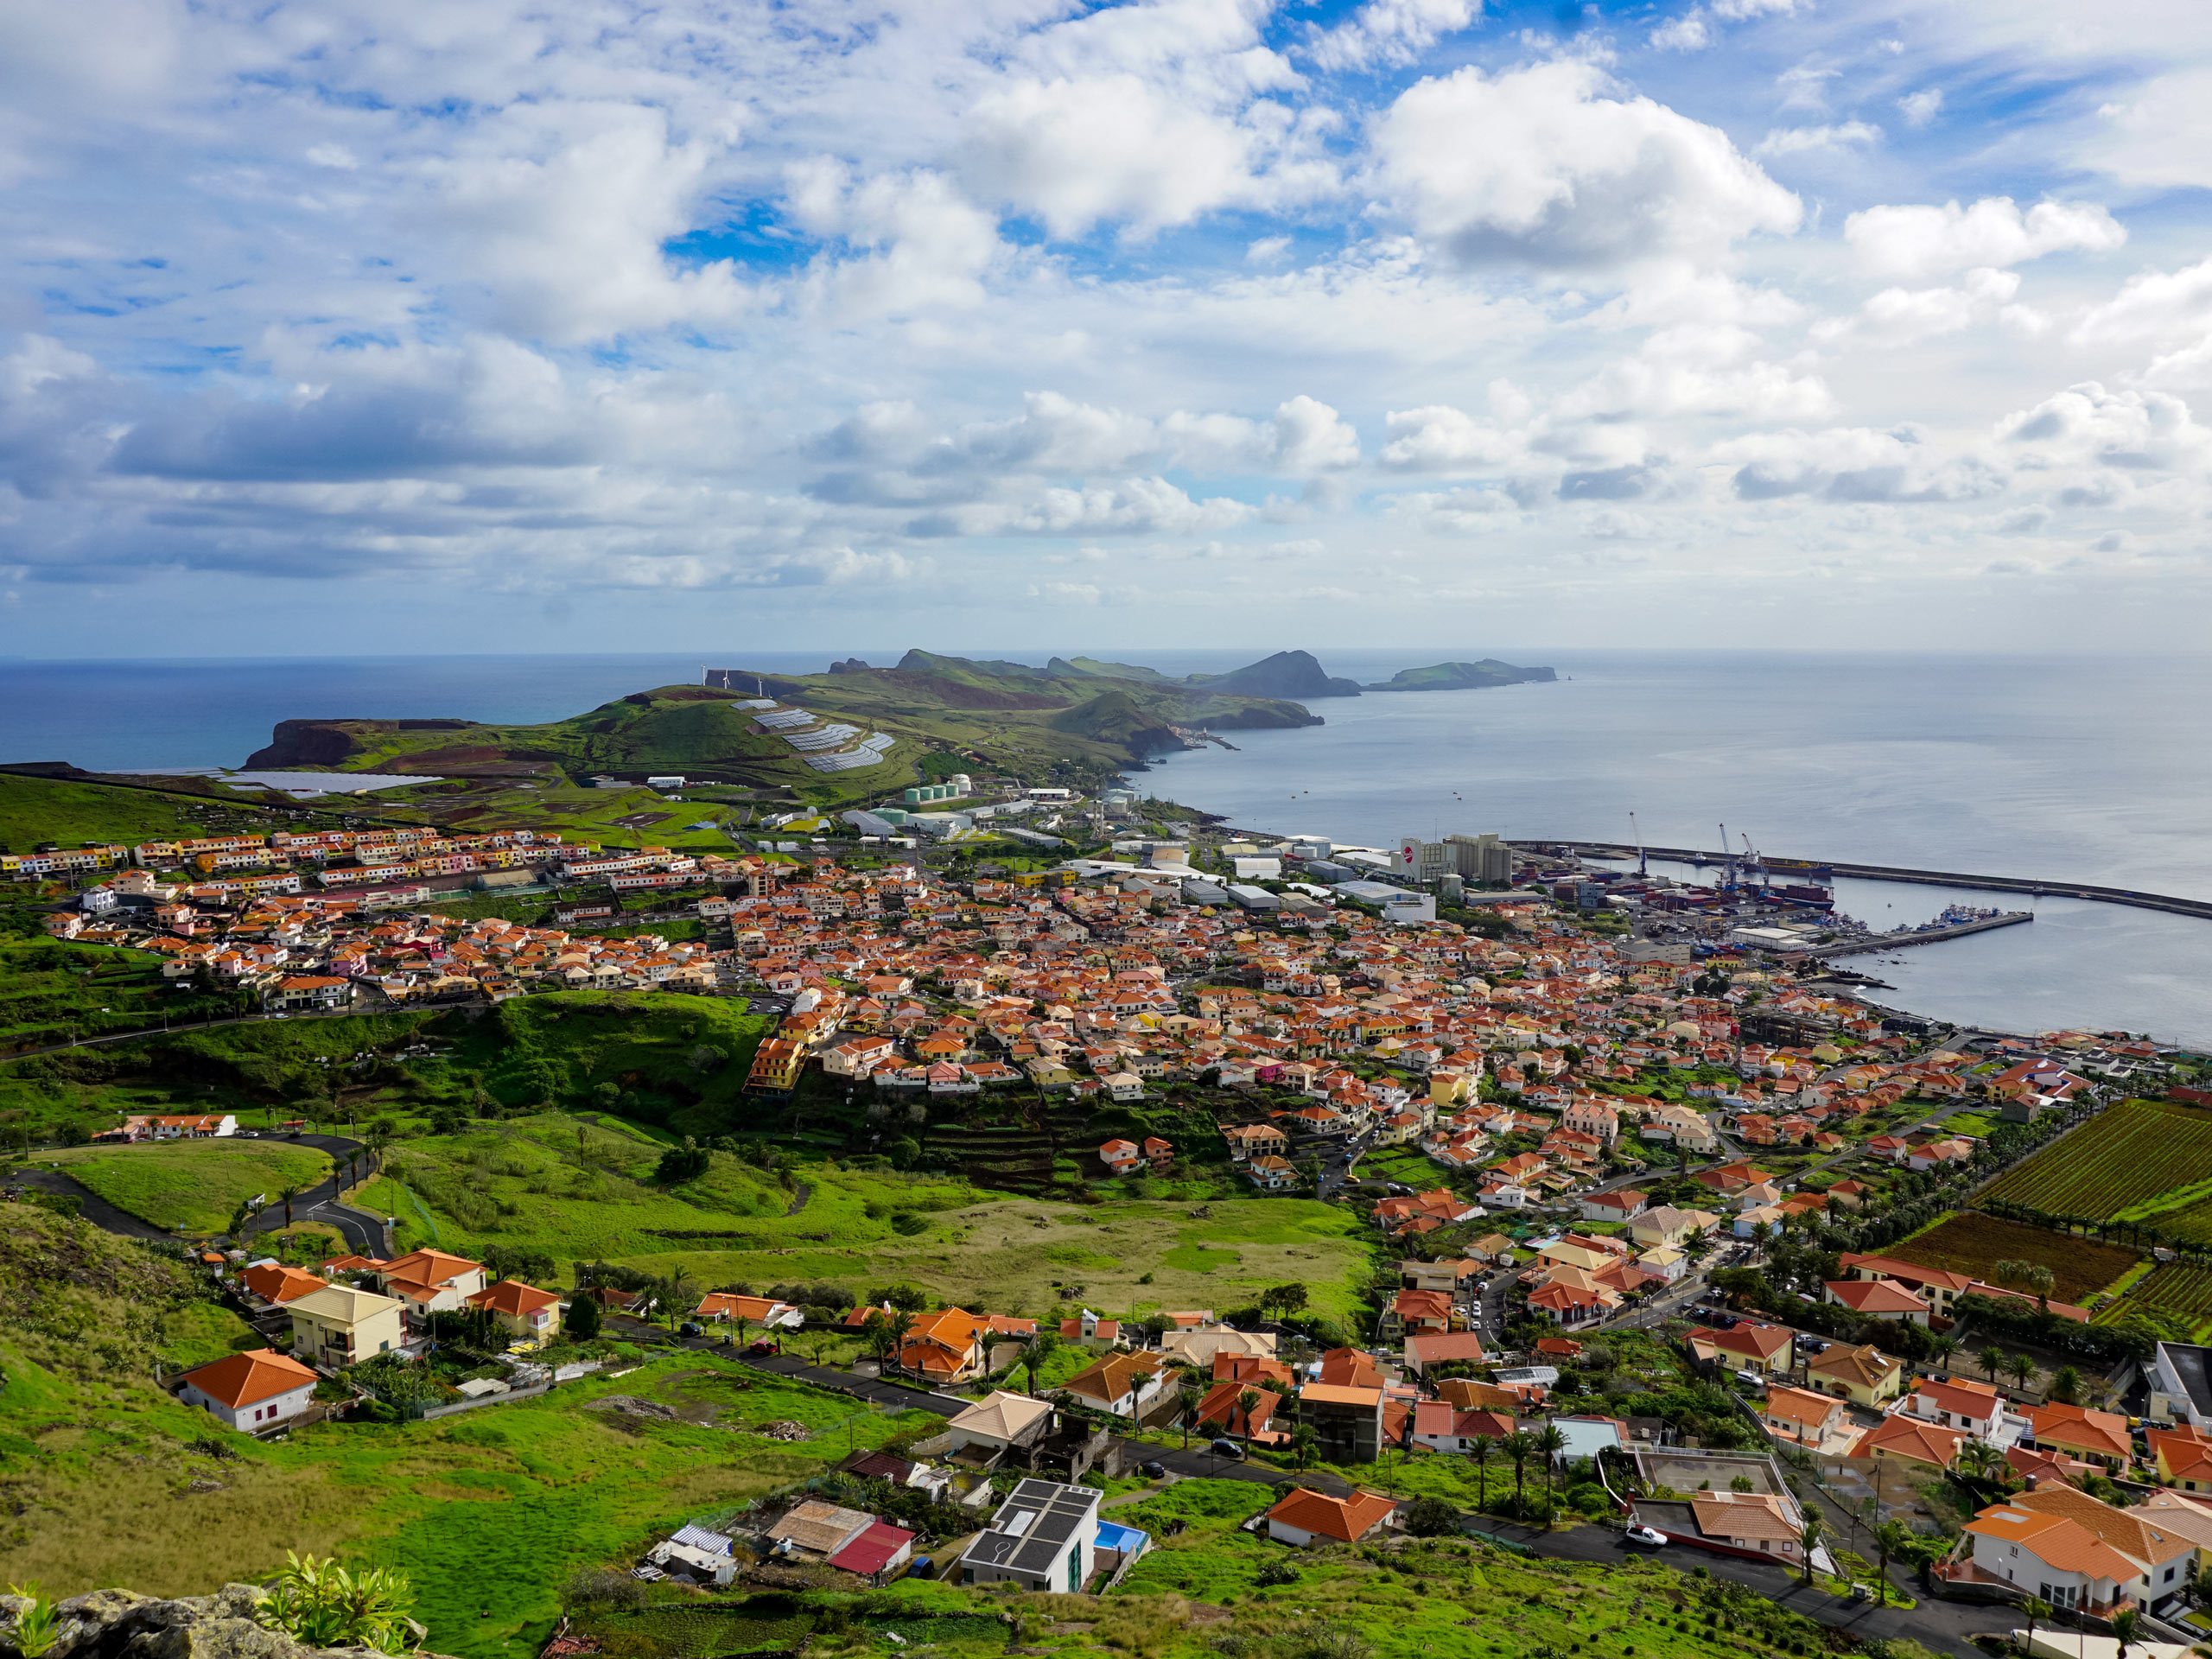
{"points": [[2131, 896]]}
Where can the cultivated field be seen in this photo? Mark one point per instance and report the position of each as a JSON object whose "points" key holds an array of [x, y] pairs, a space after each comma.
{"points": [[194, 1185], [1968, 1243], [2184, 1293], [2133, 1161]]}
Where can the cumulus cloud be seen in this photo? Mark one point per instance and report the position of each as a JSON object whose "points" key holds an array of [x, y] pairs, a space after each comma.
{"points": [[1899, 316], [560, 212], [2136, 431], [1550, 166], [1926, 241], [1855, 464], [2152, 305]]}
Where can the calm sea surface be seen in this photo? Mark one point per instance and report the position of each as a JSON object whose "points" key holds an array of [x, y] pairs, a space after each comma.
{"points": [[2090, 769]]}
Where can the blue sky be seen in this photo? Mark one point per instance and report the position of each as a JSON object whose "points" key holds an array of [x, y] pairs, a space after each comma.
{"points": [[584, 325]]}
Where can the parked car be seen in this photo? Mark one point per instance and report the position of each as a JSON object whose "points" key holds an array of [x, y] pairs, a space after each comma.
{"points": [[1228, 1449], [688, 1328], [1650, 1536], [1752, 1380], [1153, 1470]]}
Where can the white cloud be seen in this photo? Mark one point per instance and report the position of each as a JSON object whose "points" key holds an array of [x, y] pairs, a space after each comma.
{"points": [[1389, 32], [1549, 166], [2138, 431], [1797, 141], [1856, 465], [1924, 241], [559, 211], [2153, 305], [1899, 316], [1921, 107]]}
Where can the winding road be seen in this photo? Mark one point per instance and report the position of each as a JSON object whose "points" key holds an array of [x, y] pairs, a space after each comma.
{"points": [[320, 1202]]}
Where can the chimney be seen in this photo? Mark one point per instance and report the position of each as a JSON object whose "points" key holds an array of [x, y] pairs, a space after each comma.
{"points": [[2032, 1482]]}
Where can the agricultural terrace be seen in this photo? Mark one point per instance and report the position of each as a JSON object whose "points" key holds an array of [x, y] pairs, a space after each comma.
{"points": [[2143, 1160], [194, 1187], [2174, 1292], [1974, 1244]]}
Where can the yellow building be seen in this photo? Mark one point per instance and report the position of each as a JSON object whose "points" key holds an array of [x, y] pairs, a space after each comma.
{"points": [[337, 1325], [1865, 1374]]}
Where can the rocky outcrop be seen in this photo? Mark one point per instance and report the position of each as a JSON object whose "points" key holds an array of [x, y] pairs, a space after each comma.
{"points": [[122, 1624], [328, 742]]}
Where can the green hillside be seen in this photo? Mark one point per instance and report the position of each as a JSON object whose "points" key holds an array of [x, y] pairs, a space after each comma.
{"points": [[192, 1185], [944, 713]]}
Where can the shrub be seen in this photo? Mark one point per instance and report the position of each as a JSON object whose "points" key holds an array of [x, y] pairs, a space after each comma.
{"points": [[324, 1605], [1278, 1569]]}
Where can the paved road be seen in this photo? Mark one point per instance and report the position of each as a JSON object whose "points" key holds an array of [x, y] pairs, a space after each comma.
{"points": [[1943, 1625], [94, 1208], [317, 1204]]}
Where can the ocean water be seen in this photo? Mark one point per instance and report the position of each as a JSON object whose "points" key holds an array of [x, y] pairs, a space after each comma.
{"points": [[2089, 768]]}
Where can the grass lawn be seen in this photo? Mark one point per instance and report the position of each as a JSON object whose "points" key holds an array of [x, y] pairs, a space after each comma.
{"points": [[191, 1186]]}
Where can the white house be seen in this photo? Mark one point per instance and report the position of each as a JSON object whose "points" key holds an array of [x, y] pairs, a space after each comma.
{"points": [[1043, 1537], [250, 1392]]}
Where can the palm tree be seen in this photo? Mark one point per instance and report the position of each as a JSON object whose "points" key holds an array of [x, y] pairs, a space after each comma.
{"points": [[1039, 1350], [1980, 1460], [2066, 1385], [2035, 1609], [1303, 1440], [2124, 1624], [1518, 1447], [1808, 1536], [1248, 1400], [1484, 1446], [738, 1326], [1990, 1358], [287, 1194], [1188, 1399], [1941, 1348], [2019, 1368], [1890, 1537], [1550, 1442]]}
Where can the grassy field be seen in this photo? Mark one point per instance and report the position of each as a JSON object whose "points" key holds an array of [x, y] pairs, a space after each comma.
{"points": [[997, 1257], [2145, 1160], [33, 809], [1968, 1243], [109, 1482], [582, 1188], [191, 1186]]}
